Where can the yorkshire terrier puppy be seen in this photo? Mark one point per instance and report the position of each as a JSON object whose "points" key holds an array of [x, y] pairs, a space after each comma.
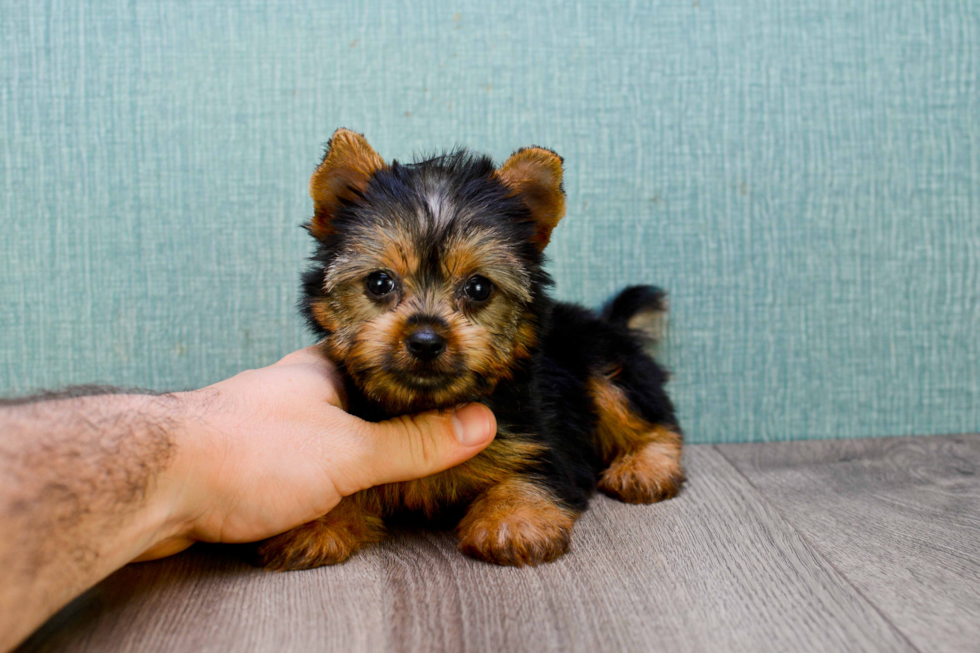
{"points": [[427, 290]]}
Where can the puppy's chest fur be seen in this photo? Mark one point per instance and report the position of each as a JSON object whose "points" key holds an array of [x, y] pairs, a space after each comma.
{"points": [[435, 496]]}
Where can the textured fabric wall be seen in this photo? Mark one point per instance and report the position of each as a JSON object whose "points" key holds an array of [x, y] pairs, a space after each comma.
{"points": [[802, 175]]}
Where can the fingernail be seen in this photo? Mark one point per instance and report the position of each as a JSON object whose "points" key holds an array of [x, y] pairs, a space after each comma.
{"points": [[472, 424]]}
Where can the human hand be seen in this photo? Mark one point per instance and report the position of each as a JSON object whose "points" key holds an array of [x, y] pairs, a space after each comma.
{"points": [[273, 448]]}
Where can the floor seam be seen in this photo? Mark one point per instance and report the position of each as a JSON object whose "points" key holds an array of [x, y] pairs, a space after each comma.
{"points": [[816, 550]]}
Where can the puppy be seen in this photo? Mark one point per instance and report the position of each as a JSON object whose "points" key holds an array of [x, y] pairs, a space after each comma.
{"points": [[427, 291]]}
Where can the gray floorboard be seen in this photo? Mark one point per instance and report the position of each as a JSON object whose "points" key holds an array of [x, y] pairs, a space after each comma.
{"points": [[898, 517], [716, 569]]}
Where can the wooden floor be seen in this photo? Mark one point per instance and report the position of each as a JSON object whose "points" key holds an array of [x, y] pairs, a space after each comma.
{"points": [[809, 546]]}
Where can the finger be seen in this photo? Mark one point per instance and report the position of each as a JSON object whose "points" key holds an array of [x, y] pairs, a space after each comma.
{"points": [[311, 355], [413, 446], [312, 358]]}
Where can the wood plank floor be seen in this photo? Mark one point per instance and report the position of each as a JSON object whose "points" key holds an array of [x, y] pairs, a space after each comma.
{"points": [[898, 517], [859, 545]]}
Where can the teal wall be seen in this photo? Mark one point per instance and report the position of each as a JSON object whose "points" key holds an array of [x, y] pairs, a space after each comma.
{"points": [[802, 175]]}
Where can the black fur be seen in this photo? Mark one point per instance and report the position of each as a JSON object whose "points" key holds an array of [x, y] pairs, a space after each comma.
{"points": [[575, 345]]}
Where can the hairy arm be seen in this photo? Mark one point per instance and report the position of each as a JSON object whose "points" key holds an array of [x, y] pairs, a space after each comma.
{"points": [[88, 484], [83, 490]]}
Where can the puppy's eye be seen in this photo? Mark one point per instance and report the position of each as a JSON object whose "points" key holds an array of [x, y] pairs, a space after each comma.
{"points": [[379, 284], [478, 288]]}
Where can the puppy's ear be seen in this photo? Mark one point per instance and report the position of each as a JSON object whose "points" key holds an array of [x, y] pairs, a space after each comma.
{"points": [[534, 174], [344, 173]]}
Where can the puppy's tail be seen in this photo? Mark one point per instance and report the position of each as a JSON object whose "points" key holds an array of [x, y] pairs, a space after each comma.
{"points": [[640, 308]]}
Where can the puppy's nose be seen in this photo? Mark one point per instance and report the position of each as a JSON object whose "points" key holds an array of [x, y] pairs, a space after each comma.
{"points": [[425, 344]]}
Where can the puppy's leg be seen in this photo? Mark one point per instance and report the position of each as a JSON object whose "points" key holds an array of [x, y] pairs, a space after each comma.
{"points": [[643, 456], [324, 541], [516, 522]]}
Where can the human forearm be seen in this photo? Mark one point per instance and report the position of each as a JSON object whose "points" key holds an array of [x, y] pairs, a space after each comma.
{"points": [[86, 485], [89, 484]]}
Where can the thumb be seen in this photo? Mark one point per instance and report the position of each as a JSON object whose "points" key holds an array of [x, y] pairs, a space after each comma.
{"points": [[412, 446]]}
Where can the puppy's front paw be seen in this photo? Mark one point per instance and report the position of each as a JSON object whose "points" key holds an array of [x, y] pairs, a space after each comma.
{"points": [[516, 523], [326, 541], [651, 473]]}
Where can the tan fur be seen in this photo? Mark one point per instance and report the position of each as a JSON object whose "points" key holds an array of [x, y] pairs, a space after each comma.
{"points": [[399, 257], [535, 174], [482, 253], [518, 523], [644, 460], [357, 519], [345, 171], [325, 541], [652, 324], [485, 357], [619, 428], [321, 313], [648, 474], [506, 456]]}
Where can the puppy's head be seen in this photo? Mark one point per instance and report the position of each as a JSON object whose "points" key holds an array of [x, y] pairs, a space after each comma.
{"points": [[427, 284]]}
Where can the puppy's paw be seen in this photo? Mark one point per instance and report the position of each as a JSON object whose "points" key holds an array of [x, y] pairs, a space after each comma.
{"points": [[649, 474], [516, 523], [326, 541]]}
